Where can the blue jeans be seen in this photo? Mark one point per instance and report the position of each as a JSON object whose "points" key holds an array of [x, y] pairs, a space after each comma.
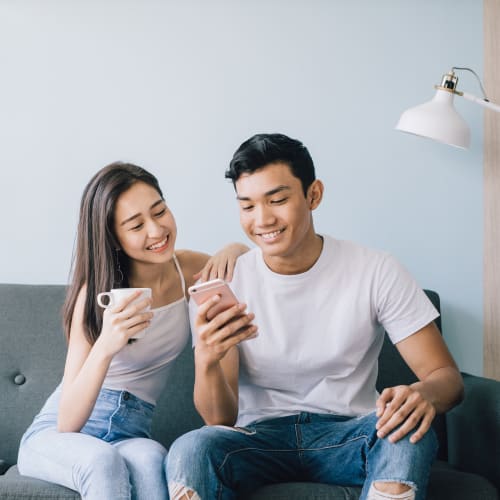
{"points": [[111, 458], [219, 462]]}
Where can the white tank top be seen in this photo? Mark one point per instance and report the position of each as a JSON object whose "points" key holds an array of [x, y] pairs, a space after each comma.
{"points": [[143, 367]]}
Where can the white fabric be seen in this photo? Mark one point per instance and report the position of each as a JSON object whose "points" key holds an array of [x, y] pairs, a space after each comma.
{"points": [[143, 366], [374, 494], [320, 332]]}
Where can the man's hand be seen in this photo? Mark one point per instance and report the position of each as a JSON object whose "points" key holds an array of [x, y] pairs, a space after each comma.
{"points": [[404, 407], [217, 335]]}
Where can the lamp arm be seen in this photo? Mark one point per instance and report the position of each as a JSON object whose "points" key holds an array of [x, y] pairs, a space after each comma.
{"points": [[482, 102]]}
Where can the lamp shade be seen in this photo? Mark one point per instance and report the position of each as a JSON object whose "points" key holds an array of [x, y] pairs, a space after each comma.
{"points": [[438, 120]]}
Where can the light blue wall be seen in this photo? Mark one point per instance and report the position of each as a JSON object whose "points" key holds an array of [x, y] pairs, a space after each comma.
{"points": [[176, 86]]}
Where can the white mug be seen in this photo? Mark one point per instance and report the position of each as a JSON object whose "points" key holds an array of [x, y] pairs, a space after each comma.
{"points": [[118, 294]]}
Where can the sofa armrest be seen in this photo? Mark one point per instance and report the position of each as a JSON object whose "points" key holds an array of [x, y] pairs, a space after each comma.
{"points": [[474, 429], [3, 466]]}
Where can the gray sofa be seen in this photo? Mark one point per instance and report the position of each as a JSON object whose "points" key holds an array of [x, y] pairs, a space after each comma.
{"points": [[32, 352]]}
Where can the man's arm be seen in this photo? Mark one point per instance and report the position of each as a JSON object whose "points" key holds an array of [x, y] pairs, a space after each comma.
{"points": [[217, 361], [439, 388]]}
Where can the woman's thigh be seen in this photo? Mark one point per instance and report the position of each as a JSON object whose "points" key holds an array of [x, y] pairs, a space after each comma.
{"points": [[67, 458]]}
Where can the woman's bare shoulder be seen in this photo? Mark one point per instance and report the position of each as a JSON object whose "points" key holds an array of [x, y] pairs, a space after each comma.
{"points": [[191, 262]]}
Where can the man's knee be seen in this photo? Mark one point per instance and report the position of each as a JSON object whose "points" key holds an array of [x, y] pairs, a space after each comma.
{"points": [[423, 451], [192, 447], [181, 492], [388, 490]]}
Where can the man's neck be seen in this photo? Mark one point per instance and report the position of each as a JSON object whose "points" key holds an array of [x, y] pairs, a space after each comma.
{"points": [[301, 261]]}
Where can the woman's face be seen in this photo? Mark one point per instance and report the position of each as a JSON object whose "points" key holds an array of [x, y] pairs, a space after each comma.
{"points": [[144, 225]]}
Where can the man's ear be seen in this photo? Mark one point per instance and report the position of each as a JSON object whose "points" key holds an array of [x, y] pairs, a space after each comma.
{"points": [[315, 194]]}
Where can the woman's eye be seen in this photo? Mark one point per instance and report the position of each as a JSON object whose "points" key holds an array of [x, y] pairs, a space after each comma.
{"points": [[137, 227], [161, 212], [246, 208]]}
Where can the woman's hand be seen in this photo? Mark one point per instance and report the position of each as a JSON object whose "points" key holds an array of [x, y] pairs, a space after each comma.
{"points": [[404, 407], [221, 265], [122, 322], [216, 336]]}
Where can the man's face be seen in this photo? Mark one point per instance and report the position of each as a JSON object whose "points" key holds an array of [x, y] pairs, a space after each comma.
{"points": [[274, 213]]}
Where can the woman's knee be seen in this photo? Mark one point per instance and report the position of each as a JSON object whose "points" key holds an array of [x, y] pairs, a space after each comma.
{"points": [[101, 460], [142, 453]]}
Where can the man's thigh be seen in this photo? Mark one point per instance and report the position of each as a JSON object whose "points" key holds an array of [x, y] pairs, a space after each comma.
{"points": [[241, 459], [335, 451]]}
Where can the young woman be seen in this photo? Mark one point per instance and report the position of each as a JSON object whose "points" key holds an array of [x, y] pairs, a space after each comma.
{"points": [[93, 433]]}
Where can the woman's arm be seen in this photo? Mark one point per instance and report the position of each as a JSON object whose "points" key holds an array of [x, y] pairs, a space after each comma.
{"points": [[86, 365]]}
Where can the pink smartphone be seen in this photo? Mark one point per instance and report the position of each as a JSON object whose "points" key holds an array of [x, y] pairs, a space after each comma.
{"points": [[204, 291]]}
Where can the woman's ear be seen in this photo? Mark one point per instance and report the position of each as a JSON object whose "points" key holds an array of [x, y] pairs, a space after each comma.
{"points": [[315, 194]]}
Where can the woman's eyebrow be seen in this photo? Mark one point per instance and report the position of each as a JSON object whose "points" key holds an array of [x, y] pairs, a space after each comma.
{"points": [[161, 200]]}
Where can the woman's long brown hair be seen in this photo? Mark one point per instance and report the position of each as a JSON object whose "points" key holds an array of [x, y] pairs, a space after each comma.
{"points": [[98, 256]]}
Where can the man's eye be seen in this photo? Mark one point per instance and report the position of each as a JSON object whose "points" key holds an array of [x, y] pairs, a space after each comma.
{"points": [[277, 202]]}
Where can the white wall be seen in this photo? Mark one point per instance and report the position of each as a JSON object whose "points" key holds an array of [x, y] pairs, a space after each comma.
{"points": [[176, 86]]}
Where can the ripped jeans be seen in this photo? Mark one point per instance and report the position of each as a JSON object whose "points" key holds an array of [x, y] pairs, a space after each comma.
{"points": [[219, 462]]}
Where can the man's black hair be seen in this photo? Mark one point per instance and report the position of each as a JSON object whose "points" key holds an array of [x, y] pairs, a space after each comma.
{"points": [[264, 149]]}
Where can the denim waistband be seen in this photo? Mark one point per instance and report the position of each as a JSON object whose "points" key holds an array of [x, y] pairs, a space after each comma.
{"points": [[120, 396], [302, 417]]}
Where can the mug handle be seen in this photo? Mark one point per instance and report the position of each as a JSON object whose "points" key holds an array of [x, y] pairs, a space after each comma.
{"points": [[110, 299]]}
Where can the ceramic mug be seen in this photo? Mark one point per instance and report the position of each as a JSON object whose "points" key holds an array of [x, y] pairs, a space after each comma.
{"points": [[116, 295]]}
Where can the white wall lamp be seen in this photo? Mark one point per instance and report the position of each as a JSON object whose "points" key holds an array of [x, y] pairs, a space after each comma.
{"points": [[438, 119]]}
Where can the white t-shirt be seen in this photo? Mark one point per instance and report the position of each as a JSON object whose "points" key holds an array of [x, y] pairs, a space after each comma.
{"points": [[320, 332]]}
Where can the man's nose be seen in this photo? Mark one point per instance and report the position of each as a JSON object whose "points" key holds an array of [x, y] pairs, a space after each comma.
{"points": [[264, 216]]}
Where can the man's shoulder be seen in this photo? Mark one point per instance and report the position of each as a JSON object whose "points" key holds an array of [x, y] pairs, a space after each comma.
{"points": [[346, 249], [248, 258]]}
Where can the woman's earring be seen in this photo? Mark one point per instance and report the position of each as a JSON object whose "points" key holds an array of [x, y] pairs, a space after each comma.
{"points": [[118, 267]]}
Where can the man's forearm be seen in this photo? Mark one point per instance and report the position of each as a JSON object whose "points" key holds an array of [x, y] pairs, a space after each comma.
{"points": [[443, 388], [214, 398]]}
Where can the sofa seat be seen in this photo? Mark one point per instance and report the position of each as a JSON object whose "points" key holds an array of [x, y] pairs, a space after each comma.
{"points": [[32, 354], [445, 483]]}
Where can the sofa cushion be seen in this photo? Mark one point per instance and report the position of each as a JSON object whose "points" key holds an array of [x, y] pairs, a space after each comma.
{"points": [[16, 487], [445, 482]]}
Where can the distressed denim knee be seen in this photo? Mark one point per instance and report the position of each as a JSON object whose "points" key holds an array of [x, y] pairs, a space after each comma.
{"points": [[401, 462]]}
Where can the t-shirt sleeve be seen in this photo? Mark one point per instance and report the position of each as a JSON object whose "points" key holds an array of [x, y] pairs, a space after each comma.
{"points": [[402, 306]]}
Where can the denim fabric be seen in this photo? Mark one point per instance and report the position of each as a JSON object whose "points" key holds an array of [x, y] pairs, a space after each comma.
{"points": [[223, 462], [111, 458]]}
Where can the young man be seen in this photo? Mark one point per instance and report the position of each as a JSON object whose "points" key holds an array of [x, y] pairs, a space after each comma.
{"points": [[296, 400]]}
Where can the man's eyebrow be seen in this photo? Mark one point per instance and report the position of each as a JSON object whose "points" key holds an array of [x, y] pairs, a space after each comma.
{"points": [[268, 193], [132, 217]]}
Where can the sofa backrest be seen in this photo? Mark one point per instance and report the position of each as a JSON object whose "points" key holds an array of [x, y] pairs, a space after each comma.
{"points": [[32, 354]]}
